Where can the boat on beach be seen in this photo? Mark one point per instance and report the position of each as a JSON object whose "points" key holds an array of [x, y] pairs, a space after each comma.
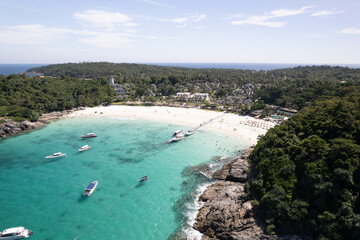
{"points": [[84, 148], [89, 135], [91, 188], [190, 132], [15, 233], [56, 155]]}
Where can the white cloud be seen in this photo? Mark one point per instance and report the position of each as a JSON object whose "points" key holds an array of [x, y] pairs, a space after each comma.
{"points": [[181, 26], [157, 3], [103, 19], [353, 31], [185, 20], [264, 20], [108, 40], [324, 13], [31, 34], [199, 18]]}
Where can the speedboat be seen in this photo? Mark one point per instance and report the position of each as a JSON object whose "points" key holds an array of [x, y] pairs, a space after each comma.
{"points": [[143, 179], [15, 233], [56, 155], [89, 135], [84, 148], [177, 132], [91, 188], [190, 132]]}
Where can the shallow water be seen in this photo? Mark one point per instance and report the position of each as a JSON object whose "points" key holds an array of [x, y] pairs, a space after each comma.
{"points": [[45, 196]]}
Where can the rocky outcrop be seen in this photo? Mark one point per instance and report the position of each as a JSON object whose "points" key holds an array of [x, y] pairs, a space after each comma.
{"points": [[10, 127], [225, 213]]}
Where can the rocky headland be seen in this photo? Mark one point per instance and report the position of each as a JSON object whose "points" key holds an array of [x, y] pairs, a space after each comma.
{"points": [[10, 127], [226, 214]]}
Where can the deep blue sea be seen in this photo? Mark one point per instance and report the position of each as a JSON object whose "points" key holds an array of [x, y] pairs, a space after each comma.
{"points": [[46, 195], [6, 69]]}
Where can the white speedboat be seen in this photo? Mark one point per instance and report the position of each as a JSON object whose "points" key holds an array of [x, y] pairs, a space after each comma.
{"points": [[190, 132], [15, 233], [84, 148], [91, 188], [56, 155], [177, 132], [89, 135]]}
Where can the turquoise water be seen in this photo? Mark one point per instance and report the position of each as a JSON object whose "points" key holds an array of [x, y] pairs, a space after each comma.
{"points": [[45, 196]]}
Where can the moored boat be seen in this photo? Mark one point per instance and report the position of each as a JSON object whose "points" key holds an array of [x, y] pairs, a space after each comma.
{"points": [[190, 132], [84, 148], [89, 135], [177, 132], [144, 179], [91, 188], [15, 233], [175, 139], [56, 155]]}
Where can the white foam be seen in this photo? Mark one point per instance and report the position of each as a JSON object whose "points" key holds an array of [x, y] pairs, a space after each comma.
{"points": [[192, 209]]}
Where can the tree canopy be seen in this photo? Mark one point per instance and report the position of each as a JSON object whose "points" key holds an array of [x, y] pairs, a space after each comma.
{"points": [[306, 171], [24, 97]]}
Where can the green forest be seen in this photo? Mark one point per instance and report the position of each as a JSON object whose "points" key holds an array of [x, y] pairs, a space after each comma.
{"points": [[23, 97], [291, 87], [306, 171]]}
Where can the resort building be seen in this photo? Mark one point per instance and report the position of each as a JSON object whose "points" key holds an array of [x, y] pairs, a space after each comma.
{"points": [[287, 112], [183, 95], [119, 90], [197, 97]]}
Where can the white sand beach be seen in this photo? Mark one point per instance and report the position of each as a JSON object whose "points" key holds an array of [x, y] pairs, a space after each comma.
{"points": [[243, 127]]}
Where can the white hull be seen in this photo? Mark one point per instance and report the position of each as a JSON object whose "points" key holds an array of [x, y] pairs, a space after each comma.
{"points": [[15, 233], [84, 148], [56, 155]]}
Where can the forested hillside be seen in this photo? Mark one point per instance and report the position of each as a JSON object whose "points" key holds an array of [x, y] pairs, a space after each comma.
{"points": [[23, 97], [306, 172], [292, 87]]}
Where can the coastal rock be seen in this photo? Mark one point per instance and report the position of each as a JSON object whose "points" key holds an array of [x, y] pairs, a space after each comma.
{"points": [[235, 171], [225, 215], [10, 127]]}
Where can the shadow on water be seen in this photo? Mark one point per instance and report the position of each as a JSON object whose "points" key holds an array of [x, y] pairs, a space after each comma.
{"points": [[82, 198]]}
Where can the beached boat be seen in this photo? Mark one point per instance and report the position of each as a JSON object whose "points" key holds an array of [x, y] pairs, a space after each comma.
{"points": [[56, 155], [84, 148], [15, 233], [91, 188], [144, 179], [89, 135], [190, 132]]}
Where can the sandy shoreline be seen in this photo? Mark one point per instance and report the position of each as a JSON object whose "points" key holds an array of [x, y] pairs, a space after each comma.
{"points": [[243, 127]]}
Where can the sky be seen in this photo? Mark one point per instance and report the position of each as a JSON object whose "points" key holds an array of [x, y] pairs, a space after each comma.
{"points": [[180, 31]]}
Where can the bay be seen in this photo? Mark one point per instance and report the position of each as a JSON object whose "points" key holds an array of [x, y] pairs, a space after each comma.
{"points": [[45, 196]]}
